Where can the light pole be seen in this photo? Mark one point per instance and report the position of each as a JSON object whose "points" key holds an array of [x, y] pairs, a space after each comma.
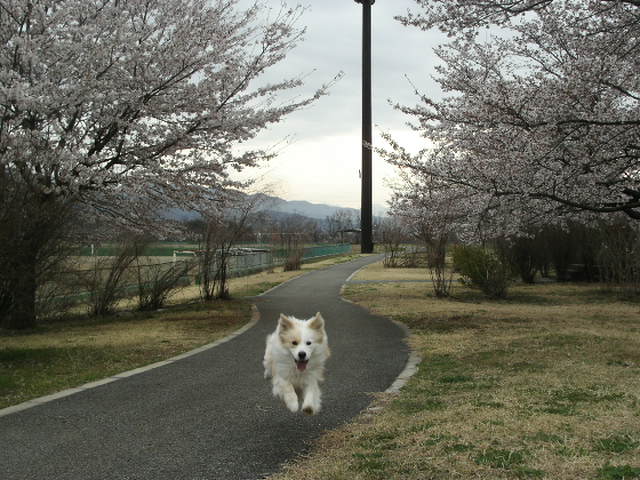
{"points": [[366, 211]]}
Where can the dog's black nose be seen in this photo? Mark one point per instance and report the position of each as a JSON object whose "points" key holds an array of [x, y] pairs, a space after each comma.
{"points": [[302, 355]]}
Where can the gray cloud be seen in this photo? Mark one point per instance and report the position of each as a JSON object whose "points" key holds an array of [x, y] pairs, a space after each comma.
{"points": [[333, 44]]}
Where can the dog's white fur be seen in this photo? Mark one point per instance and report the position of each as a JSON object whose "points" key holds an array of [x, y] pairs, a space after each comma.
{"points": [[294, 359]]}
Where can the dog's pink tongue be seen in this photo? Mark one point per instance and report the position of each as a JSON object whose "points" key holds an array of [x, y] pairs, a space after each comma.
{"points": [[301, 366]]}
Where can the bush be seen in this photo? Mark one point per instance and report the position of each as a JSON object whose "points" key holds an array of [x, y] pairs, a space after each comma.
{"points": [[106, 281], [436, 260], [293, 260], [394, 236], [157, 281], [482, 268]]}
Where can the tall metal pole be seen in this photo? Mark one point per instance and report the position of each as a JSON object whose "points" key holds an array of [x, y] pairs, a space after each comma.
{"points": [[366, 210]]}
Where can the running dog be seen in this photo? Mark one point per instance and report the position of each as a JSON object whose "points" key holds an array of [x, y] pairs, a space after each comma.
{"points": [[294, 360]]}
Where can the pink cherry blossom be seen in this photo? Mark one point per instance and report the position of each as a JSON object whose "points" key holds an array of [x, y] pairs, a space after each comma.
{"points": [[130, 105], [540, 113]]}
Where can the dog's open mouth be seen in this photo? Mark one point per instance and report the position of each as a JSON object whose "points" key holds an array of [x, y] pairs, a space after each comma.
{"points": [[301, 365]]}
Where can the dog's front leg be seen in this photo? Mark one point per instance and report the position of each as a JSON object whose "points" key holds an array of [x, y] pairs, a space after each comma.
{"points": [[267, 362], [284, 390], [311, 402]]}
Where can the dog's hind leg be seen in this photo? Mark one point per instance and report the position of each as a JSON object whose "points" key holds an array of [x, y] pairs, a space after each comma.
{"points": [[286, 392], [311, 403], [268, 368]]}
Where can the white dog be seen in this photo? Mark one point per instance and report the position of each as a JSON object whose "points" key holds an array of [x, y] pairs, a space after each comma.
{"points": [[294, 360]]}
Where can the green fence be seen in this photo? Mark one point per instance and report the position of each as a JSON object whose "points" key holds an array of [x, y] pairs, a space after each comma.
{"points": [[156, 250], [264, 259], [188, 249], [326, 250]]}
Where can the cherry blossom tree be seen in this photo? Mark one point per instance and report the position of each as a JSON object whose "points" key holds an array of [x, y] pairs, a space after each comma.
{"points": [[540, 113], [125, 106]]}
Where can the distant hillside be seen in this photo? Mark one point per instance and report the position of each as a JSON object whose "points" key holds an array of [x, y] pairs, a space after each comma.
{"points": [[317, 211], [280, 208]]}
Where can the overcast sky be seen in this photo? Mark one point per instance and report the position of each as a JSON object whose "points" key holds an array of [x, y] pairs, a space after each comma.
{"points": [[322, 159]]}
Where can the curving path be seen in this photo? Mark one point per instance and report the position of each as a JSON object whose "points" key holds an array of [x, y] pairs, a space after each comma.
{"points": [[211, 415]]}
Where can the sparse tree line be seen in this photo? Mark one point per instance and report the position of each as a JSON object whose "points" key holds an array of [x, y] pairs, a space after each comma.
{"points": [[66, 281], [532, 153], [605, 251]]}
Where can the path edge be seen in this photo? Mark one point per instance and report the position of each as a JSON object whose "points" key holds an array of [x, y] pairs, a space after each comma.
{"points": [[414, 359], [409, 370]]}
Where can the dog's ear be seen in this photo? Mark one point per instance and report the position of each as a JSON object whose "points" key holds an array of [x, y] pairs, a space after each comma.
{"points": [[284, 322], [317, 323]]}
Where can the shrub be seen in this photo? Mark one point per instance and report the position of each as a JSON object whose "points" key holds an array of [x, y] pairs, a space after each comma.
{"points": [[482, 268], [393, 233], [157, 281], [293, 261], [106, 281], [437, 267]]}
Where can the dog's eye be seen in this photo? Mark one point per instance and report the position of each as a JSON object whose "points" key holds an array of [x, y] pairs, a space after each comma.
{"points": [[308, 343], [294, 342]]}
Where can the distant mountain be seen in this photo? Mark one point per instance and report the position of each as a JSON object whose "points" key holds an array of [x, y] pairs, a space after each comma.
{"points": [[180, 215], [380, 210], [280, 208], [317, 211]]}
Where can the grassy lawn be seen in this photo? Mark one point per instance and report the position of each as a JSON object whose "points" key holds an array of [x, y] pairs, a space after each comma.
{"points": [[69, 353], [545, 384]]}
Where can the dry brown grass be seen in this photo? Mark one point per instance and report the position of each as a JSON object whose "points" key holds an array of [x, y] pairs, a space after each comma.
{"points": [[378, 272], [544, 384]]}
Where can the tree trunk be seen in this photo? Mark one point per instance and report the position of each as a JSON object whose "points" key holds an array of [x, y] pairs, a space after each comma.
{"points": [[21, 311], [221, 276], [32, 229]]}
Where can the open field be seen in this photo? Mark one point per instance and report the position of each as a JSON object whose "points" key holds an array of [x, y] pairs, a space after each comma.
{"points": [[544, 384], [67, 353]]}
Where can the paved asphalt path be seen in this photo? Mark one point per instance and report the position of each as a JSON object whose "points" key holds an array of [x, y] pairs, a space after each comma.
{"points": [[209, 416]]}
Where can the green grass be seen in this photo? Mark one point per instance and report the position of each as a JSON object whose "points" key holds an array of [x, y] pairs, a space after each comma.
{"points": [[618, 443], [622, 472]]}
